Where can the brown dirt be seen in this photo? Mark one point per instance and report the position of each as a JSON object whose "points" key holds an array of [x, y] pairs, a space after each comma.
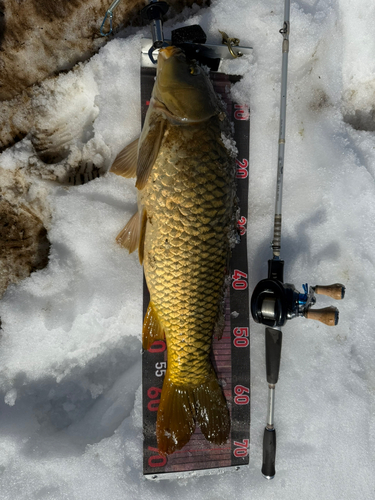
{"points": [[39, 38], [24, 245], [24, 217]]}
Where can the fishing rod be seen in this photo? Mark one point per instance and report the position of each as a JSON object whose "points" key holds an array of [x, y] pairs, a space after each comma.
{"points": [[274, 302]]}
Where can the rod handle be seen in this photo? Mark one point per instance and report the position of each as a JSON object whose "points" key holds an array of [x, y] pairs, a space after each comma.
{"points": [[328, 315], [273, 353], [335, 291], [269, 453]]}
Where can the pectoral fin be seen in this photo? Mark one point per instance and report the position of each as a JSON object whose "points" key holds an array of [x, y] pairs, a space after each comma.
{"points": [[149, 150], [125, 163], [142, 236]]}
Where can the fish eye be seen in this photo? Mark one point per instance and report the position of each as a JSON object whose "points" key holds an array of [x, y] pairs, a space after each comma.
{"points": [[194, 69]]}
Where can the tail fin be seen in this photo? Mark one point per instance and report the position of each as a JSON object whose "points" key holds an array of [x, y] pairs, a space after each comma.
{"points": [[212, 414], [181, 406], [175, 422]]}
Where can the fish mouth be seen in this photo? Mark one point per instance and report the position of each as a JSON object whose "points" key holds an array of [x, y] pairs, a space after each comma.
{"points": [[169, 51]]}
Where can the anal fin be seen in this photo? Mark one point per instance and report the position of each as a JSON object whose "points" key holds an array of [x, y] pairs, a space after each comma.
{"points": [[152, 328]]}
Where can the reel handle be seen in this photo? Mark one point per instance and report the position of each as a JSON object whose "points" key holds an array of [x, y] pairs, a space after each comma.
{"points": [[335, 291], [328, 315]]}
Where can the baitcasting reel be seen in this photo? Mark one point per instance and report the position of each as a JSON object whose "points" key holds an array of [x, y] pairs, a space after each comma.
{"points": [[274, 302]]}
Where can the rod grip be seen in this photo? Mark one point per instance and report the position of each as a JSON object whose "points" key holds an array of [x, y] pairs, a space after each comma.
{"points": [[273, 353], [269, 453], [335, 291], [328, 315]]}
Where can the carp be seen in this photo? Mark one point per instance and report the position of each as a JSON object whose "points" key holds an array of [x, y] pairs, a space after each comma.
{"points": [[183, 230]]}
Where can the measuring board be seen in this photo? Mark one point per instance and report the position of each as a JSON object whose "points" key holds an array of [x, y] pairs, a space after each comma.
{"points": [[230, 354]]}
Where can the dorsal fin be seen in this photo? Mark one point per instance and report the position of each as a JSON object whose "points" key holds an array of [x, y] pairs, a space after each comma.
{"points": [[132, 236], [128, 237]]}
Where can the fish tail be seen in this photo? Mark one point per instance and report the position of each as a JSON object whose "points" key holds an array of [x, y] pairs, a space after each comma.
{"points": [[181, 407], [212, 413], [176, 417]]}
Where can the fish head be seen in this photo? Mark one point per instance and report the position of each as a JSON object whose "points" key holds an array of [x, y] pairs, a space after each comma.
{"points": [[183, 87]]}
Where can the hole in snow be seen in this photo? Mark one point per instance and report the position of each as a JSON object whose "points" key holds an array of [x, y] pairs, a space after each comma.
{"points": [[361, 119]]}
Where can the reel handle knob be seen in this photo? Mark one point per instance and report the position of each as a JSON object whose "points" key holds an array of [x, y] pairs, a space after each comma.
{"points": [[328, 315], [335, 291]]}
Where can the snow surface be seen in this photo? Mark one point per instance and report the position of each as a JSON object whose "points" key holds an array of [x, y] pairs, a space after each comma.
{"points": [[70, 369]]}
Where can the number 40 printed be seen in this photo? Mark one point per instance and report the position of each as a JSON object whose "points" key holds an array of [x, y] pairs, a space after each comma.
{"points": [[239, 280]]}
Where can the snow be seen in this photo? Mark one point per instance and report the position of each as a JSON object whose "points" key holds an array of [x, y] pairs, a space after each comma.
{"points": [[70, 371]]}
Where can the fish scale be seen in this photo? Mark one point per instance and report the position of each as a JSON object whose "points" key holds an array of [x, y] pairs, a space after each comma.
{"points": [[186, 249]]}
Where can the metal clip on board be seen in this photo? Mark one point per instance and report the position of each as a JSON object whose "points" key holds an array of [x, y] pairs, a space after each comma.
{"points": [[154, 13]]}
